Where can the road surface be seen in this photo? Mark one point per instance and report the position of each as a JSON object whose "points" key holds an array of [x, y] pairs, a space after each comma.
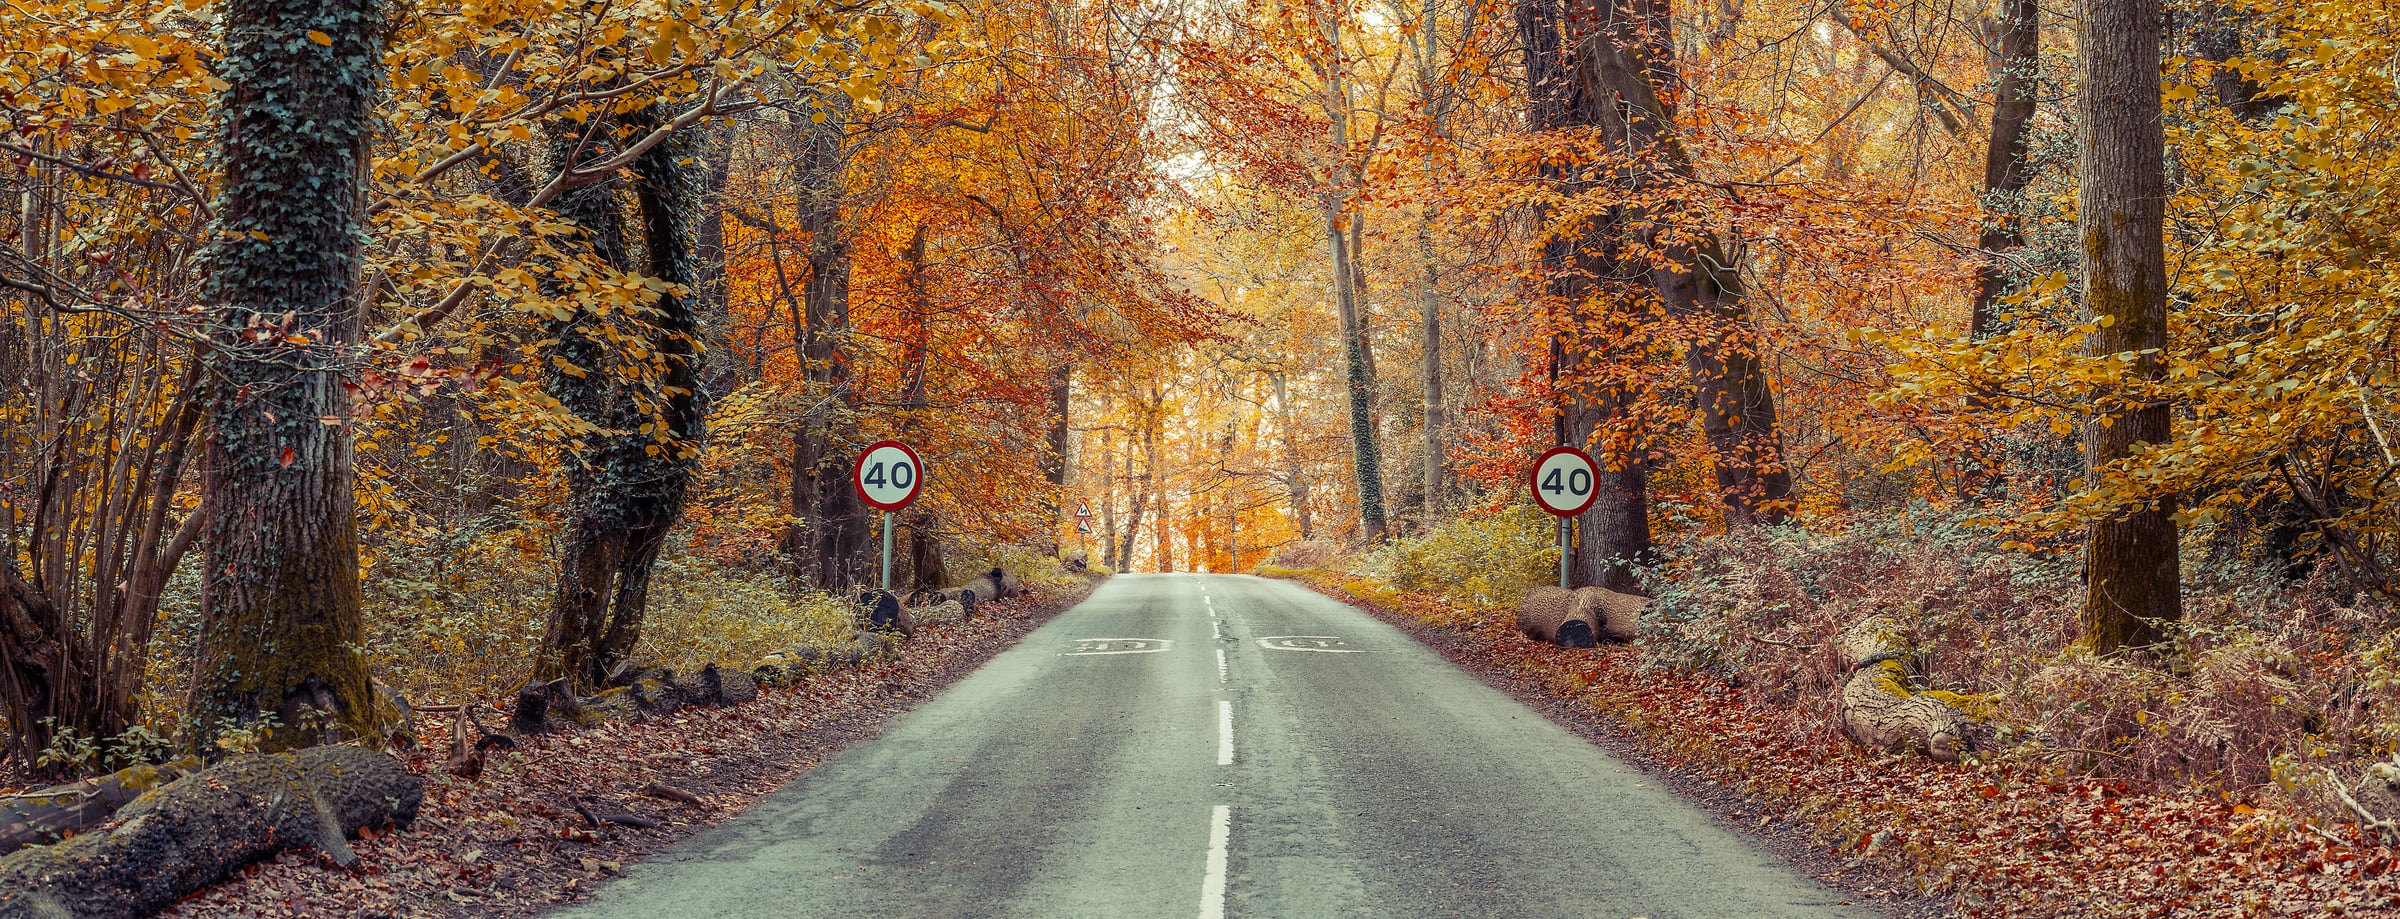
{"points": [[1213, 746]]}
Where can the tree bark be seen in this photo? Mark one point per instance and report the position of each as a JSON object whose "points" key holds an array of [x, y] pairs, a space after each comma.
{"points": [[1591, 364], [1366, 462], [2005, 170], [2133, 577], [280, 597], [1697, 276], [628, 488], [830, 544]]}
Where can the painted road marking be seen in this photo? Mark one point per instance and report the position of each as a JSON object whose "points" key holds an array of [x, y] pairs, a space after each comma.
{"points": [[1222, 676], [1224, 733], [1212, 883], [1325, 644], [1089, 646]]}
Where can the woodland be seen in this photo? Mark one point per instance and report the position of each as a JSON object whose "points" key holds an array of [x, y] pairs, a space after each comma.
{"points": [[2025, 363]]}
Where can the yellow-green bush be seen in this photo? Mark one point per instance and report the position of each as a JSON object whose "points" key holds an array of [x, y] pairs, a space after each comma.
{"points": [[1478, 561]]}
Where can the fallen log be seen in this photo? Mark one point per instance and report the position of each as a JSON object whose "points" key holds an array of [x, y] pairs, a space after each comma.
{"points": [[1615, 616], [196, 830], [45, 816], [1881, 710], [1551, 614]]}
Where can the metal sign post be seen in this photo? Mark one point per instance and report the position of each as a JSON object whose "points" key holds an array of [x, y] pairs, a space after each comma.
{"points": [[1564, 483], [888, 476]]}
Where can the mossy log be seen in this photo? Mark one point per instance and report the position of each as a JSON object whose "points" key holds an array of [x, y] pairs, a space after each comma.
{"points": [[1616, 616], [1551, 614], [39, 818], [1881, 710], [198, 829]]}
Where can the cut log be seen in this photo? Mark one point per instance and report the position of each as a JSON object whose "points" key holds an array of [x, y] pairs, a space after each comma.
{"points": [[1616, 616], [198, 829], [942, 612], [1551, 614], [39, 818], [646, 698], [545, 707], [715, 685], [1881, 710], [881, 611]]}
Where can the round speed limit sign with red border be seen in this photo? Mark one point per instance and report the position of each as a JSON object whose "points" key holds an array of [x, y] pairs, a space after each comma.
{"points": [[889, 476], [1565, 481]]}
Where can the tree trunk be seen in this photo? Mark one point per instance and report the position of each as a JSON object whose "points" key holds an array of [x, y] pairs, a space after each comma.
{"points": [[280, 600], [2132, 575], [1590, 368], [2005, 170], [628, 487], [1697, 277], [1366, 463], [830, 544], [1055, 465], [1163, 525]]}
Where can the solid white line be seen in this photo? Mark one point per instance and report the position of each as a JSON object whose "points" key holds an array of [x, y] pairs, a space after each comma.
{"points": [[1224, 733], [1221, 674], [1212, 884]]}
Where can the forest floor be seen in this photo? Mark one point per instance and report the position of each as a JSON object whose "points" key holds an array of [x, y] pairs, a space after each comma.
{"points": [[2007, 837], [511, 843]]}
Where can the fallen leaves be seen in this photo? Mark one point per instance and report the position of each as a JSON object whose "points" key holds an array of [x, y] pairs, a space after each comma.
{"points": [[2006, 838], [514, 842]]}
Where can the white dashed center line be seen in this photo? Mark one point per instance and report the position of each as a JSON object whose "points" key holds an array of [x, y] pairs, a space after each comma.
{"points": [[1222, 675], [1224, 733], [1212, 883]]}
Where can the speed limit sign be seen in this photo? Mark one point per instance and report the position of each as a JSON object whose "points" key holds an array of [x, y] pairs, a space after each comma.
{"points": [[888, 476], [1563, 481]]}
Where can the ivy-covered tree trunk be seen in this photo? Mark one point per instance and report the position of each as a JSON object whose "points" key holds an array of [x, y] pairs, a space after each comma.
{"points": [[1697, 276], [831, 542], [280, 594], [1366, 459], [630, 475], [2133, 577]]}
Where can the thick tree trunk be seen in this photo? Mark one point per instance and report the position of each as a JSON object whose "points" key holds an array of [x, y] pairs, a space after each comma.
{"points": [[831, 543], [2132, 574], [627, 488], [1698, 278], [280, 599], [1591, 364], [1163, 524]]}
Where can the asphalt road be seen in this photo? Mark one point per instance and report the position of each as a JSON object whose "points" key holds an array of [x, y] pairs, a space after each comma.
{"points": [[1184, 745]]}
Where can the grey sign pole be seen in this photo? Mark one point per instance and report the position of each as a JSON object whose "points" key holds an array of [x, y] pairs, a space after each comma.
{"points": [[887, 551], [1564, 551]]}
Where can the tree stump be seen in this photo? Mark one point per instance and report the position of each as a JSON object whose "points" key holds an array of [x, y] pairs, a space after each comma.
{"points": [[1551, 614], [198, 829], [1881, 710]]}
